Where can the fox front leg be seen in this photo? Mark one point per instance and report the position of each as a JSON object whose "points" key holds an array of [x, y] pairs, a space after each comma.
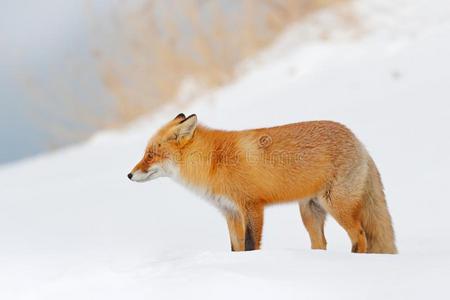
{"points": [[254, 219], [245, 228], [237, 231]]}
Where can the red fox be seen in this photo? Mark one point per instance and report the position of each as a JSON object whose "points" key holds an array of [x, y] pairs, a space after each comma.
{"points": [[319, 164]]}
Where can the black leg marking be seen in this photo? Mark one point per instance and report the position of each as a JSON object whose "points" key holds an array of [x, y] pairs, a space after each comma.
{"points": [[232, 248], [355, 248], [249, 240]]}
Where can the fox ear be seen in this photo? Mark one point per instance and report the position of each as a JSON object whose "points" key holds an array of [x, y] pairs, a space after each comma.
{"points": [[185, 129], [180, 117]]}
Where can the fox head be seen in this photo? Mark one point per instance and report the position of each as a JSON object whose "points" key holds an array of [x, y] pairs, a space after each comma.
{"points": [[160, 157]]}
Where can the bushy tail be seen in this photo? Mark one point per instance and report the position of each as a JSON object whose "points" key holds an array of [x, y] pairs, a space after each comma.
{"points": [[376, 219]]}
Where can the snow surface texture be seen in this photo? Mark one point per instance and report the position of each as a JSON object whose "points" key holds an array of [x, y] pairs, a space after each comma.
{"points": [[72, 226]]}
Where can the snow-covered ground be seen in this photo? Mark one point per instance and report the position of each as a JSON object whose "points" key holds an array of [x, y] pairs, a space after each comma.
{"points": [[72, 226]]}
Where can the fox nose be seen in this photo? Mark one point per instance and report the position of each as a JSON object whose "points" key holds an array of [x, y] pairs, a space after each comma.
{"points": [[130, 175]]}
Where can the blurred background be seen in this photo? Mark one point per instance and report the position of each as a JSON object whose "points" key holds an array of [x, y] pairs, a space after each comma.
{"points": [[69, 68]]}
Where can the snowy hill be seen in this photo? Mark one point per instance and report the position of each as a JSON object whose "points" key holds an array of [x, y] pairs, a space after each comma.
{"points": [[72, 226]]}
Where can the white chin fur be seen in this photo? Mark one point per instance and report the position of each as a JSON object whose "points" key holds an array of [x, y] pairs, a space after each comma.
{"points": [[140, 176], [163, 169]]}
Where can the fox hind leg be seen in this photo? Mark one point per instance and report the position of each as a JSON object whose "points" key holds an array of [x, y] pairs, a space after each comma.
{"points": [[347, 212], [313, 217]]}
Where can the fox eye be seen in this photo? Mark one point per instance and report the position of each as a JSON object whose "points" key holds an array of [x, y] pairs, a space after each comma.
{"points": [[150, 155]]}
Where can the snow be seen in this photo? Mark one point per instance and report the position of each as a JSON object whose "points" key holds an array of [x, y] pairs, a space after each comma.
{"points": [[72, 226]]}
